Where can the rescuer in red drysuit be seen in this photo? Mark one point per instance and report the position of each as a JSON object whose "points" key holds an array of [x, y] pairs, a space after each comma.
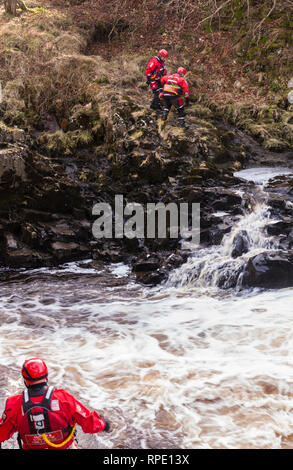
{"points": [[174, 87], [45, 417], [154, 71]]}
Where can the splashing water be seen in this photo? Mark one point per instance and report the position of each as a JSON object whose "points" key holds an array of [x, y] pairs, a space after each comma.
{"points": [[208, 266], [184, 365]]}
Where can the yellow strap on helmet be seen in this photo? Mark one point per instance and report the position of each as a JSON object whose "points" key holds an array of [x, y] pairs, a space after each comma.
{"points": [[62, 443]]}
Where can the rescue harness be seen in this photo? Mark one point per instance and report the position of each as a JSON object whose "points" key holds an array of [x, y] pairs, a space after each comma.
{"points": [[44, 426]]}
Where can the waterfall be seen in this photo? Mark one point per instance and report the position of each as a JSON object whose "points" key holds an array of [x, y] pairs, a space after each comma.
{"points": [[217, 265]]}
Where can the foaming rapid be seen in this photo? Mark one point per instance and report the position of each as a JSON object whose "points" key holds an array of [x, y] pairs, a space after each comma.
{"points": [[173, 367], [215, 266], [184, 365], [262, 175]]}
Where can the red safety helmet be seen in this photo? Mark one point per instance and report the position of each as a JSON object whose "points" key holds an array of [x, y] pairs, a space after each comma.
{"points": [[34, 370], [181, 71], [163, 53]]}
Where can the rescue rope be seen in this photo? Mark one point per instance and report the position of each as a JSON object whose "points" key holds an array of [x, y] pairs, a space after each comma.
{"points": [[62, 443]]}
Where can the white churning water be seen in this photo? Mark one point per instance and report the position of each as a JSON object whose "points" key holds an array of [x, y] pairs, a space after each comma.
{"points": [[262, 175], [184, 365]]}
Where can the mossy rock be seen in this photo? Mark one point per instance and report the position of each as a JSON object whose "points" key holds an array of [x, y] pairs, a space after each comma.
{"points": [[66, 143], [200, 111], [275, 145]]}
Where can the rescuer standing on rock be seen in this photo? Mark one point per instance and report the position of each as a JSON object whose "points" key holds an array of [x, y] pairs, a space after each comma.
{"points": [[154, 71], [174, 88], [45, 417]]}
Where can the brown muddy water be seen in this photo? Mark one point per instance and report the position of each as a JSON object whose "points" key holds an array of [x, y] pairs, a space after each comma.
{"points": [[182, 365]]}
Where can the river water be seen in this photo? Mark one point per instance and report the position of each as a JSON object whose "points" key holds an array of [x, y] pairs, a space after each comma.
{"points": [[183, 365]]}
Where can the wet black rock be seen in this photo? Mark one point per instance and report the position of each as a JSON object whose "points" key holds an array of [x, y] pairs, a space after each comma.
{"points": [[146, 266], [46, 203], [214, 235], [240, 244], [281, 227], [269, 270], [148, 270]]}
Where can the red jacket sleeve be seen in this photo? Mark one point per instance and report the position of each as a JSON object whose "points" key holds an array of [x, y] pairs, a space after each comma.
{"points": [[8, 422], [164, 79], [150, 67], [77, 413], [185, 88]]}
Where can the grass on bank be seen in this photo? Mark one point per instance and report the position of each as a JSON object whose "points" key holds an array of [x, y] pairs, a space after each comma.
{"points": [[45, 70]]}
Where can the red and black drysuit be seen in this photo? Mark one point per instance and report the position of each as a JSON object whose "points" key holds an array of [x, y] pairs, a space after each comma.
{"points": [[42, 409], [154, 71], [174, 88]]}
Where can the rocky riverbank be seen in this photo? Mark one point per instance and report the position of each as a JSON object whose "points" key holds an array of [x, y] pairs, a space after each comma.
{"points": [[47, 192], [76, 130]]}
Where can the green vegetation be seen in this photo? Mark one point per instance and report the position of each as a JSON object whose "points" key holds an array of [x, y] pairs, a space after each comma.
{"points": [[49, 67]]}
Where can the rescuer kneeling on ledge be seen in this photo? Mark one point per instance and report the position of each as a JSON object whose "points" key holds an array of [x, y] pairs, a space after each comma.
{"points": [[45, 417]]}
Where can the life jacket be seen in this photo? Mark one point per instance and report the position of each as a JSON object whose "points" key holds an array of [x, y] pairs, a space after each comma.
{"points": [[172, 85], [160, 70], [44, 417]]}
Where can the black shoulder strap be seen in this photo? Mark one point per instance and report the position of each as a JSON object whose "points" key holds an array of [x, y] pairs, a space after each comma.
{"points": [[46, 402], [28, 405]]}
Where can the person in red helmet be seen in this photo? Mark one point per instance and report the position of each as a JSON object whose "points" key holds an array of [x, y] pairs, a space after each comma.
{"points": [[175, 87], [154, 71], [44, 416]]}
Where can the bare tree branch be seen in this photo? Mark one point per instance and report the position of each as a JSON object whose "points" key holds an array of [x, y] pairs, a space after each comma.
{"points": [[265, 17], [215, 12]]}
